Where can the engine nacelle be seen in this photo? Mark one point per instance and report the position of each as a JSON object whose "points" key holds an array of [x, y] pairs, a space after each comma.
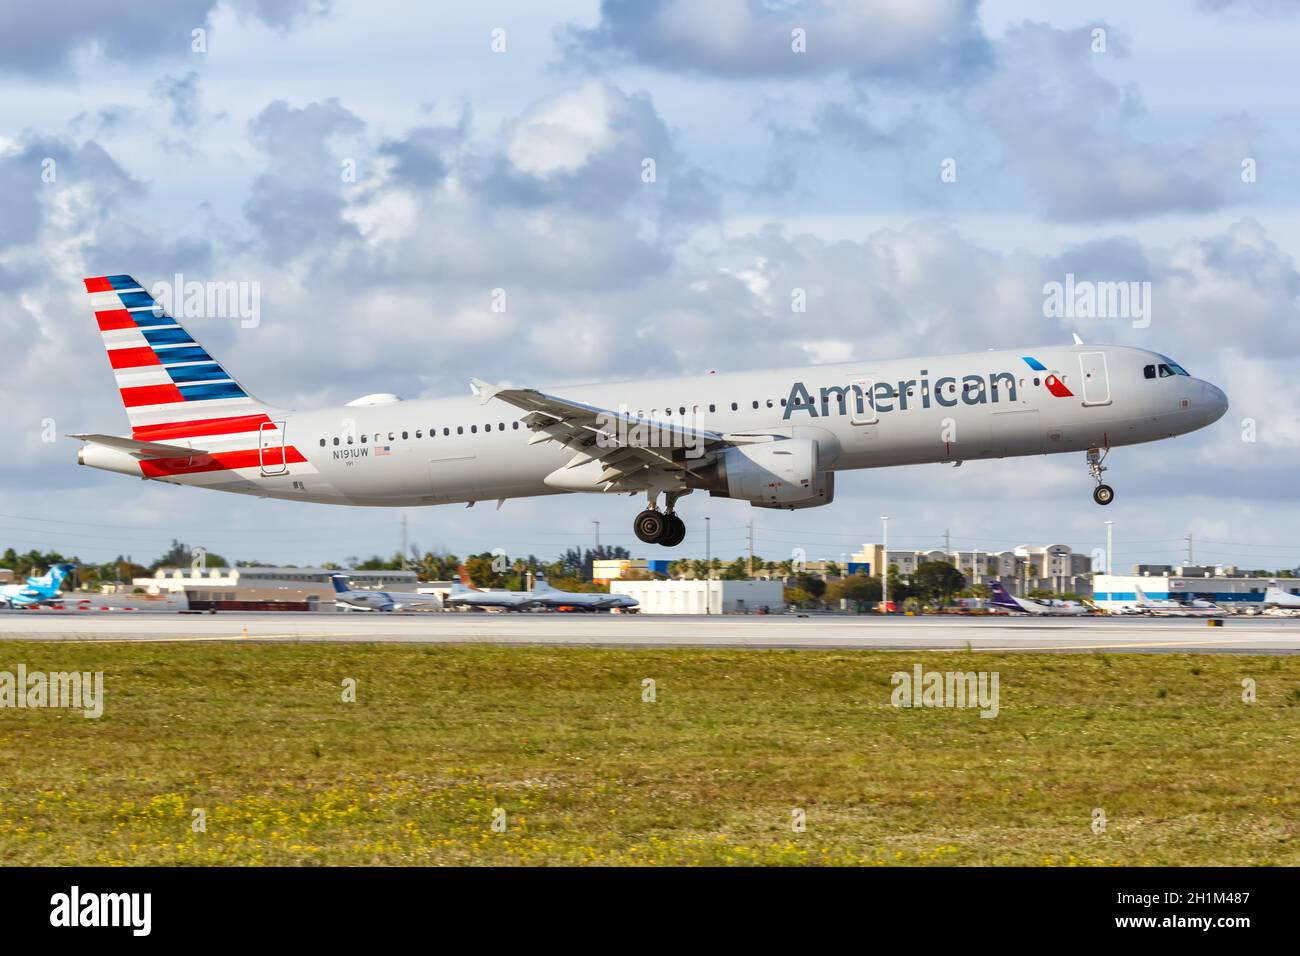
{"points": [[774, 474], [825, 494]]}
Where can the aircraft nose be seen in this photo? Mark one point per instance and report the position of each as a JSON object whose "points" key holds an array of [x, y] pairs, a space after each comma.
{"points": [[1214, 401]]}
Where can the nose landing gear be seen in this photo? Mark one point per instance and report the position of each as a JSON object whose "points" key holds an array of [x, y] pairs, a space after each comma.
{"points": [[1103, 494]]}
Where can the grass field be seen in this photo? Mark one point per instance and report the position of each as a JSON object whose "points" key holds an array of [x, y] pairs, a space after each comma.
{"points": [[258, 737]]}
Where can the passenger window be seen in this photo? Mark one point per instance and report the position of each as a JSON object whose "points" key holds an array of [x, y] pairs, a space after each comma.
{"points": [[403, 436], [446, 431], [713, 408], [783, 403], [1149, 371], [363, 439], [336, 441], [756, 403], [735, 407], [501, 426], [954, 387], [419, 433], [683, 409], [487, 427], [516, 426], [322, 443], [460, 429], [473, 429], [769, 403], [391, 436]]}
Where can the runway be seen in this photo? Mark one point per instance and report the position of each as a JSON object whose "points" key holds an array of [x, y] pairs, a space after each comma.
{"points": [[1149, 635]]}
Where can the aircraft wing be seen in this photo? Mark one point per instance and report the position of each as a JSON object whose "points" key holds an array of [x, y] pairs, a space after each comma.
{"points": [[141, 449], [616, 439]]}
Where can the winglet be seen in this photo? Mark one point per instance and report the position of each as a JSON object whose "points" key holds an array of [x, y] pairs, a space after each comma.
{"points": [[1077, 340], [485, 391]]}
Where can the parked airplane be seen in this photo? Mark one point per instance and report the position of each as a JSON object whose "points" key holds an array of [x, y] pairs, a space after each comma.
{"points": [[381, 600], [38, 590], [1170, 608], [1276, 597], [1004, 599], [775, 439], [465, 594], [546, 596]]}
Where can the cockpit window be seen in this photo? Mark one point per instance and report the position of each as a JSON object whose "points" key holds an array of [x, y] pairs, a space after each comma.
{"points": [[1165, 370], [1178, 369], [1149, 371]]}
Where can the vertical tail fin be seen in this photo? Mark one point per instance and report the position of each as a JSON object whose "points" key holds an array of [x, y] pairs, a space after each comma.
{"points": [[1002, 598], [169, 384], [463, 574], [340, 582]]}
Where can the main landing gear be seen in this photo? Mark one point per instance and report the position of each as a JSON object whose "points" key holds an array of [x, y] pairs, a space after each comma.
{"points": [[1103, 494], [660, 527]]}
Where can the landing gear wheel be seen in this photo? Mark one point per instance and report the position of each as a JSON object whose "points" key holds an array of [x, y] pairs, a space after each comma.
{"points": [[1103, 494], [675, 533], [650, 526]]}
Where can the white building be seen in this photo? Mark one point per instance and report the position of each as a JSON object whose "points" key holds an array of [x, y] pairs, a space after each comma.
{"points": [[704, 597], [305, 589]]}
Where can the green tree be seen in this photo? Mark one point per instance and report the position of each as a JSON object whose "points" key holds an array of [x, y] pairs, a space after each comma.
{"points": [[937, 581], [863, 592]]}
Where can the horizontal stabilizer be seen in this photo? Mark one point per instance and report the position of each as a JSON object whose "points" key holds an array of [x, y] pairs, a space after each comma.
{"points": [[141, 449]]}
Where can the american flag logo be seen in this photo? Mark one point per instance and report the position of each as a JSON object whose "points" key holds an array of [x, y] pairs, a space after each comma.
{"points": [[383, 450]]}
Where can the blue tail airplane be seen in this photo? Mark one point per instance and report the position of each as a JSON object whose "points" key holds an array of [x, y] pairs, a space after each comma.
{"points": [[37, 590]]}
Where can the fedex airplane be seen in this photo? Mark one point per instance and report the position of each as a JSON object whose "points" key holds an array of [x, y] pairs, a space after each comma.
{"points": [[1006, 601], [546, 596], [775, 438], [43, 589], [380, 600]]}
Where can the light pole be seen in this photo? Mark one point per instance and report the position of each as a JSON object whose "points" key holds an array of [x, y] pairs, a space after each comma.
{"points": [[1110, 548], [708, 548], [884, 560], [597, 524]]}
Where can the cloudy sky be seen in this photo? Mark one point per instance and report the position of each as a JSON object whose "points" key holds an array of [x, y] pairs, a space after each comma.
{"points": [[1104, 139]]}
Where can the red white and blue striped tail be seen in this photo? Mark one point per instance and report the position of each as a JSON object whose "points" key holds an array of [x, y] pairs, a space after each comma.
{"points": [[173, 390]]}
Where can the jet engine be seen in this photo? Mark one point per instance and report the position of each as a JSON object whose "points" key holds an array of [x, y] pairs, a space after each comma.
{"points": [[774, 474]]}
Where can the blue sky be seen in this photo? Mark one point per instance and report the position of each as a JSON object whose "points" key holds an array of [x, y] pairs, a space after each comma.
{"points": [[520, 169]]}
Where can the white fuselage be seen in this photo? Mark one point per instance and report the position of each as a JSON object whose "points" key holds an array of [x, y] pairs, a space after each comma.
{"points": [[909, 411]]}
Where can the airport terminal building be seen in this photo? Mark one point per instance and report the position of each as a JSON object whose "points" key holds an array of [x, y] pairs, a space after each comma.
{"points": [[265, 588]]}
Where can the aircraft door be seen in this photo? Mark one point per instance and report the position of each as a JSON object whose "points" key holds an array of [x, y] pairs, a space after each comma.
{"points": [[862, 405], [1096, 379], [270, 449]]}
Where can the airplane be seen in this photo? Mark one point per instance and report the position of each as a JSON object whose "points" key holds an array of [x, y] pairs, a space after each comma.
{"points": [[1276, 597], [380, 600], [38, 590], [1006, 601], [774, 438], [465, 594], [1169, 608], [546, 596]]}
